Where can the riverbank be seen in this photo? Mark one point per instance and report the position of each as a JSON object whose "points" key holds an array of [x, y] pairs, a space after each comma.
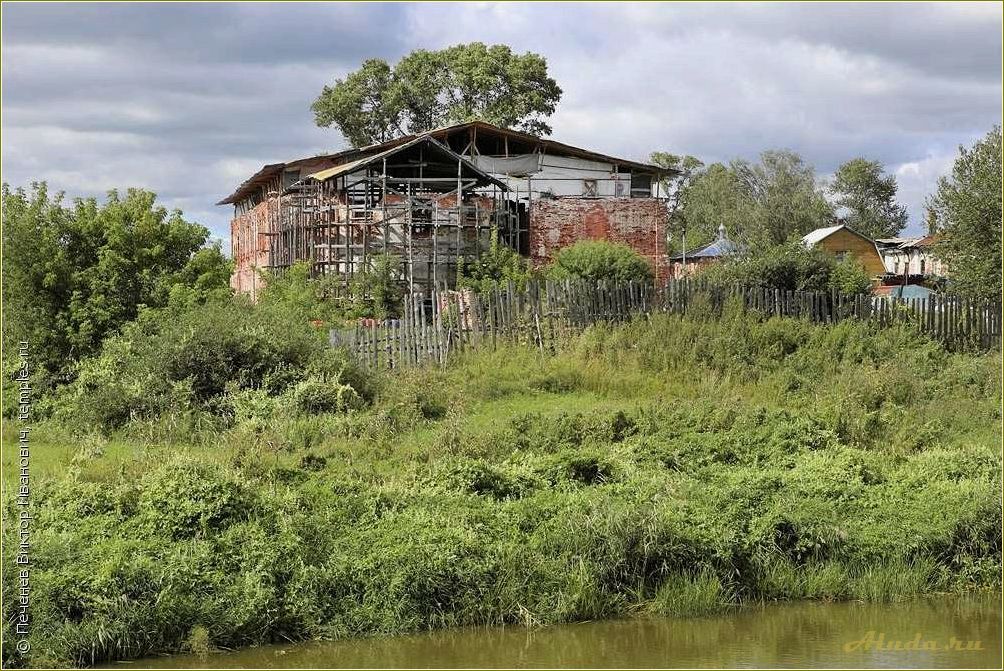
{"points": [[667, 467], [935, 632]]}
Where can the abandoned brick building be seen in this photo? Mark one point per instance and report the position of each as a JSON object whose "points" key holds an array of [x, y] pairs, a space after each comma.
{"points": [[435, 198]]}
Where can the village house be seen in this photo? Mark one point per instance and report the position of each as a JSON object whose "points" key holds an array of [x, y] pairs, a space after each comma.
{"points": [[912, 258], [842, 241], [435, 198], [687, 263]]}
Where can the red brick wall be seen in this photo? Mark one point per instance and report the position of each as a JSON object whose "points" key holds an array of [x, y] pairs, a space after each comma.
{"points": [[637, 222], [249, 246]]}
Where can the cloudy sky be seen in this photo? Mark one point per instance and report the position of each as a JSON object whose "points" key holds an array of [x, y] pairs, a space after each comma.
{"points": [[189, 99]]}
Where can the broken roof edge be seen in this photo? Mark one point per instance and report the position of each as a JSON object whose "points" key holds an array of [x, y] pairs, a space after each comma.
{"points": [[545, 142], [344, 168], [272, 168]]}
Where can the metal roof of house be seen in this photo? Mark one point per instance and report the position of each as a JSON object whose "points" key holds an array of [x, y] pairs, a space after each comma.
{"points": [[269, 171], [714, 249], [719, 247], [813, 237]]}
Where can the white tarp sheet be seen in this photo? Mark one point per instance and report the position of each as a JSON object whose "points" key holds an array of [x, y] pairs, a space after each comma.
{"points": [[524, 164]]}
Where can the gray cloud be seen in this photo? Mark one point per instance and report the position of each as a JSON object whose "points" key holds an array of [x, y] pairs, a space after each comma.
{"points": [[188, 99]]}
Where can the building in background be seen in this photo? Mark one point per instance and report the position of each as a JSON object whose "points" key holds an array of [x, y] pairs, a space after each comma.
{"points": [[842, 241], [687, 263], [912, 259], [435, 198]]}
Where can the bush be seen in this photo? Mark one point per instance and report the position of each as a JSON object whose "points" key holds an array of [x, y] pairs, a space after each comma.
{"points": [[295, 292], [495, 268], [194, 359], [378, 290], [74, 274], [849, 276], [595, 260], [317, 395], [184, 499], [790, 267]]}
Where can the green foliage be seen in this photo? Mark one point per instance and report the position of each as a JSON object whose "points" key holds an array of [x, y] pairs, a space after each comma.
{"points": [[673, 187], [760, 203], [967, 212], [494, 268], [791, 267], [596, 260], [186, 499], [869, 196], [191, 360], [318, 395], [430, 89], [848, 276], [72, 275], [669, 466], [300, 296], [378, 291]]}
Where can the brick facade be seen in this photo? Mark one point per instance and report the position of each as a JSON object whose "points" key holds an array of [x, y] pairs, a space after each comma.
{"points": [[639, 223], [249, 246]]}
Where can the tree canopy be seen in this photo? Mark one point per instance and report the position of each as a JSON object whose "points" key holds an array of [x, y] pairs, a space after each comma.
{"points": [[762, 203], [429, 89], [966, 211], [74, 274], [673, 187], [869, 196]]}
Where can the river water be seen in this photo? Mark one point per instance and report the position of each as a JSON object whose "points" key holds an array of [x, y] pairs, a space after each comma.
{"points": [[930, 633]]}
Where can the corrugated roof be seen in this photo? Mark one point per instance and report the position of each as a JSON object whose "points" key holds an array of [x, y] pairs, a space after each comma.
{"points": [[815, 236], [713, 250], [342, 169]]}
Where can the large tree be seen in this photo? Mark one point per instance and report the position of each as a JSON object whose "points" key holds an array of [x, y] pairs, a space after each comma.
{"points": [[869, 197], [428, 89], [685, 169], [72, 274], [762, 203], [967, 213]]}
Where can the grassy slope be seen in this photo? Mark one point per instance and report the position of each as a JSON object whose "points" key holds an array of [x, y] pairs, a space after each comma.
{"points": [[673, 467]]}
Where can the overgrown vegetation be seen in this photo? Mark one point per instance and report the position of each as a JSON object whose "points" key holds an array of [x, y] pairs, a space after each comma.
{"points": [[599, 260], [791, 267], [75, 273], [966, 212], [495, 268], [669, 466], [198, 365]]}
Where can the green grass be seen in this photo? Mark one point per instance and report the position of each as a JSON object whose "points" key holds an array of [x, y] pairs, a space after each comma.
{"points": [[671, 467]]}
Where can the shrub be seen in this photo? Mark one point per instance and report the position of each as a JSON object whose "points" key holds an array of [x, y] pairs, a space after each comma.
{"points": [[595, 260], [191, 360], [74, 274], [316, 395], [294, 292], [183, 499], [495, 268], [849, 276], [790, 267], [378, 291]]}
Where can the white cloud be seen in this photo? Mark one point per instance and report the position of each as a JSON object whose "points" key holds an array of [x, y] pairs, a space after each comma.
{"points": [[189, 100]]}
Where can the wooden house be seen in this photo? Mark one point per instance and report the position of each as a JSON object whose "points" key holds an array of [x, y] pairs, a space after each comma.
{"points": [[842, 241]]}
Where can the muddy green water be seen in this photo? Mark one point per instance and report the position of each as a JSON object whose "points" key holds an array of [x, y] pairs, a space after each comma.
{"points": [[932, 633]]}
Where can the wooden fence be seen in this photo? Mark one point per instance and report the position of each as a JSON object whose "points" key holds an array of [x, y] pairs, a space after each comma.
{"points": [[435, 326]]}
